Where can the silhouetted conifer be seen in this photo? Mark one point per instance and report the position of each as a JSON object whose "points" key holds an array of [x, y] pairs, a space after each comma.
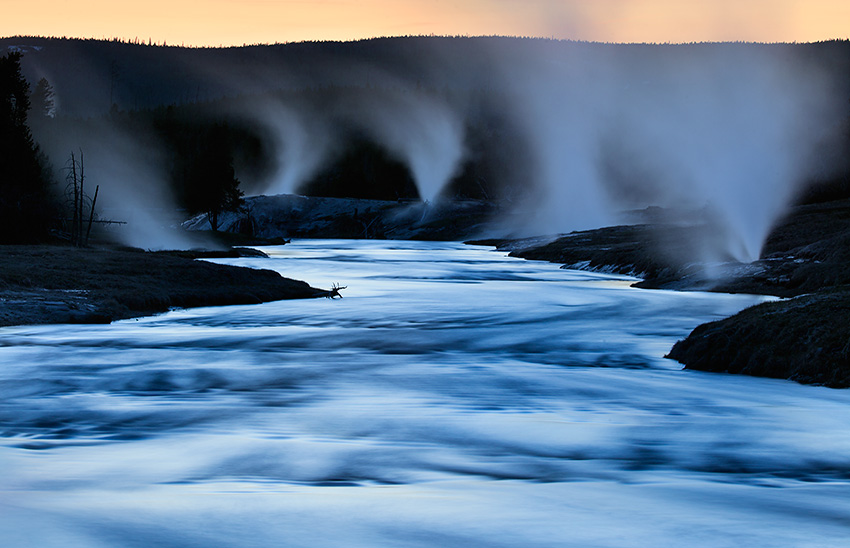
{"points": [[212, 186], [26, 205], [43, 103]]}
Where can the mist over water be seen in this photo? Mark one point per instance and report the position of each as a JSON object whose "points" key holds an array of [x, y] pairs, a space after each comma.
{"points": [[455, 396], [729, 129]]}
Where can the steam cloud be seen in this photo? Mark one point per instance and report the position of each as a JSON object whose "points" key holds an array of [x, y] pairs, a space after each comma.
{"points": [[427, 134], [128, 170], [724, 128], [728, 128], [302, 145]]}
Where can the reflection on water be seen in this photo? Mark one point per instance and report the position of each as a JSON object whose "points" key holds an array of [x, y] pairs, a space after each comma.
{"points": [[454, 397]]}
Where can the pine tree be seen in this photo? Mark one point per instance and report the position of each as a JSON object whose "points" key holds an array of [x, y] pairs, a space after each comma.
{"points": [[26, 206], [43, 103], [212, 184]]}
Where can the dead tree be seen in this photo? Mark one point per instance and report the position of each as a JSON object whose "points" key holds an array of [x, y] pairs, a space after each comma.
{"points": [[76, 195], [91, 213]]}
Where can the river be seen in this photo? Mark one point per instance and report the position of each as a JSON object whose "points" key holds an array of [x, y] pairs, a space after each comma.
{"points": [[454, 397]]}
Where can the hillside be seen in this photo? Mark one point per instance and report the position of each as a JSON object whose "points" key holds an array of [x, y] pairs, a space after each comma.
{"points": [[558, 135], [90, 75]]}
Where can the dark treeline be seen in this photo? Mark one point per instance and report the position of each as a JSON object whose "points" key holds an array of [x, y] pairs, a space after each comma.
{"points": [[205, 143], [212, 153], [209, 154], [92, 75], [186, 110], [200, 154], [831, 180], [27, 205]]}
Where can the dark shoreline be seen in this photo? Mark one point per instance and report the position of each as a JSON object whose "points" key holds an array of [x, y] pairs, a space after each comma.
{"points": [[49, 284], [806, 259]]}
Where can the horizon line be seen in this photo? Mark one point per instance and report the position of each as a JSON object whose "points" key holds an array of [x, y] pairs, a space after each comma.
{"points": [[151, 43]]}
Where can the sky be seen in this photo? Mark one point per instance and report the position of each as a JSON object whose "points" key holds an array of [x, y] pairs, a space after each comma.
{"points": [[238, 22]]}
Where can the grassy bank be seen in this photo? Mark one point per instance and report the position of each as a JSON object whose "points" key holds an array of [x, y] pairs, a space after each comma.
{"points": [[59, 284], [805, 339]]}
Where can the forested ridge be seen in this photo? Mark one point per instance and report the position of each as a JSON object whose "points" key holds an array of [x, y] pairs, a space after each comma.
{"points": [[186, 110]]}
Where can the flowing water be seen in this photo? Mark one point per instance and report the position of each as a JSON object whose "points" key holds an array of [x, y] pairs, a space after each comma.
{"points": [[454, 397]]}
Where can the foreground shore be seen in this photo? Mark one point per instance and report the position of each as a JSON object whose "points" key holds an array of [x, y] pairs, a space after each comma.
{"points": [[60, 284], [806, 259]]}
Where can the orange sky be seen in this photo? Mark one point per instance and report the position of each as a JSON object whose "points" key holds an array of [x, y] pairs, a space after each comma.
{"points": [[232, 22]]}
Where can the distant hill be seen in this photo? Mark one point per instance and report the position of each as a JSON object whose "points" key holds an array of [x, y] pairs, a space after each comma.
{"points": [[87, 73], [558, 135], [90, 75]]}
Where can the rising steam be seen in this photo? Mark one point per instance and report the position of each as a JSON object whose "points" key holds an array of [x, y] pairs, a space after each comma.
{"points": [[302, 145], [422, 131], [416, 127], [128, 170], [725, 128]]}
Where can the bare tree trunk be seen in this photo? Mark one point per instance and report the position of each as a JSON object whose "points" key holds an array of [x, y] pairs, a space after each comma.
{"points": [[82, 200], [74, 222], [91, 213]]}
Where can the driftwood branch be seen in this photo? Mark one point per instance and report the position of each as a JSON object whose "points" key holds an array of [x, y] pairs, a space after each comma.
{"points": [[334, 292]]}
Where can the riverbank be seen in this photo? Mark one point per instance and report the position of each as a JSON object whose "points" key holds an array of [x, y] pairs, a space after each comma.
{"points": [[806, 258], [277, 218], [805, 338], [61, 284]]}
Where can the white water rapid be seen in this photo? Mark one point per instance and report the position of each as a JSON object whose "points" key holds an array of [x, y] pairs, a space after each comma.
{"points": [[454, 397]]}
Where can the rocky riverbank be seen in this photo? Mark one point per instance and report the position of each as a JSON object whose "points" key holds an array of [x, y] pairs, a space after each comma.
{"points": [[804, 339], [59, 284], [806, 259], [276, 218]]}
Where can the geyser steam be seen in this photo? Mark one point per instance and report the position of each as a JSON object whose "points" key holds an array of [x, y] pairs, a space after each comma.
{"points": [[302, 145], [724, 126], [128, 168], [418, 128], [422, 131], [596, 128]]}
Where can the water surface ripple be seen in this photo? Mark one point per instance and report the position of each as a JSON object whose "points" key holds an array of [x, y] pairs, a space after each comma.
{"points": [[453, 397]]}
